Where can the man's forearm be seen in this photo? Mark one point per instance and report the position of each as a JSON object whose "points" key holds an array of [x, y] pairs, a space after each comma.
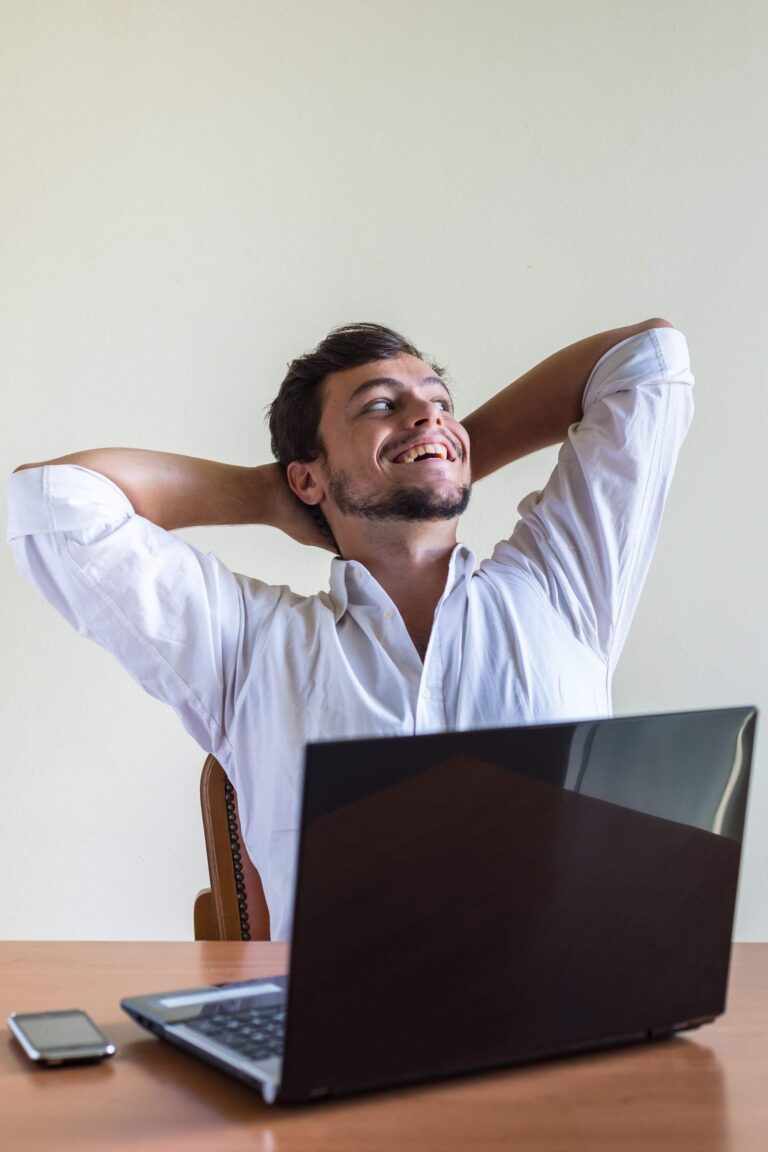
{"points": [[536, 410], [181, 491]]}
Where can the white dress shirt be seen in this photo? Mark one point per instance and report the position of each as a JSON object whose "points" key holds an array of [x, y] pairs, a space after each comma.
{"points": [[255, 671]]}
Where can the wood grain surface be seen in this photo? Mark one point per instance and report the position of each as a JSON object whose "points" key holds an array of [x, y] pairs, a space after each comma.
{"points": [[705, 1091]]}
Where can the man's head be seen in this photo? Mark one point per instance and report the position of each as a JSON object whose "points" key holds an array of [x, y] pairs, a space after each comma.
{"points": [[363, 426]]}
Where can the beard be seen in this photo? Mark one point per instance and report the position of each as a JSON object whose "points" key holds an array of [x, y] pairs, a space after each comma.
{"points": [[404, 504]]}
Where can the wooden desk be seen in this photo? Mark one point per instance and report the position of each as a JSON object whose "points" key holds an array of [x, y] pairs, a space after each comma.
{"points": [[707, 1091]]}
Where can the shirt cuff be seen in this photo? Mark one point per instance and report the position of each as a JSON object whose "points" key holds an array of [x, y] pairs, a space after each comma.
{"points": [[63, 498], [658, 354]]}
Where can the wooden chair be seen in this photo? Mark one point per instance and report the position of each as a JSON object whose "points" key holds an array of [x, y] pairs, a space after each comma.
{"points": [[234, 907]]}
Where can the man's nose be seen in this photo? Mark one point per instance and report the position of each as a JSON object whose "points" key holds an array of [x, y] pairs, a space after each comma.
{"points": [[425, 412]]}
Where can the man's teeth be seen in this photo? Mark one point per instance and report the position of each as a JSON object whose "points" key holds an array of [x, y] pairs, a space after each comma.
{"points": [[424, 450]]}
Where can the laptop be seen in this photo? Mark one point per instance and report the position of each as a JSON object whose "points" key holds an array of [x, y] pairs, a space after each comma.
{"points": [[471, 900]]}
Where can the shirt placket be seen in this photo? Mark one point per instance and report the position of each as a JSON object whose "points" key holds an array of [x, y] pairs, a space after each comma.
{"points": [[430, 705]]}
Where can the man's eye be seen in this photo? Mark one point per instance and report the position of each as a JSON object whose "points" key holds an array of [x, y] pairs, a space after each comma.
{"points": [[378, 405], [443, 404]]}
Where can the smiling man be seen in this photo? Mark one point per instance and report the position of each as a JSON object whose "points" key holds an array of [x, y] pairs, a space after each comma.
{"points": [[412, 636], [390, 474]]}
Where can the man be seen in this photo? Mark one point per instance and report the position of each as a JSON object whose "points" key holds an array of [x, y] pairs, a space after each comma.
{"points": [[373, 463]]}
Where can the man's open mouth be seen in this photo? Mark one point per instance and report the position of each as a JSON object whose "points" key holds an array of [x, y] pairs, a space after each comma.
{"points": [[429, 450]]}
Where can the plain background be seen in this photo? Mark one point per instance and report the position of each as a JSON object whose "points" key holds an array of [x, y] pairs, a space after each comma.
{"points": [[194, 193]]}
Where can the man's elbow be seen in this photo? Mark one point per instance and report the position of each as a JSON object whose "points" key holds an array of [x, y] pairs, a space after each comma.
{"points": [[657, 322]]}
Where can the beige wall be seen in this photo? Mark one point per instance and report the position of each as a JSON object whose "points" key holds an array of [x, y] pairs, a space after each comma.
{"points": [[194, 193]]}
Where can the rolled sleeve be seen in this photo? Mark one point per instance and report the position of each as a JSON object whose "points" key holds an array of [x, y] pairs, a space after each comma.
{"points": [[170, 614], [588, 538], [64, 498]]}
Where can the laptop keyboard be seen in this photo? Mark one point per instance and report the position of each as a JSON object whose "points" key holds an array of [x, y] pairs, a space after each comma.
{"points": [[256, 1033]]}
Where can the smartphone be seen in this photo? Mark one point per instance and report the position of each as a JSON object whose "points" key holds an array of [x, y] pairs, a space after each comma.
{"points": [[69, 1037]]}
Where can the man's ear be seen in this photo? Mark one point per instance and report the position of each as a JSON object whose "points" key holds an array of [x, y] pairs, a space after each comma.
{"points": [[304, 480]]}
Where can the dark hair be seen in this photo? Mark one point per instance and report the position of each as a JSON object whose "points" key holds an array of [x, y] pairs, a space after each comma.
{"points": [[294, 414]]}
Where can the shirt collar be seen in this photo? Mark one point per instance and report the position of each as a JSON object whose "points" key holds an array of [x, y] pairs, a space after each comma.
{"points": [[351, 583]]}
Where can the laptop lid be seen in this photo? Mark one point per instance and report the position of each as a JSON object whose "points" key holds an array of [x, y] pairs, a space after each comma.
{"points": [[468, 900]]}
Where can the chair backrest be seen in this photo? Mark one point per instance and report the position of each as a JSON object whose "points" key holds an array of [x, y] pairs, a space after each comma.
{"points": [[234, 907]]}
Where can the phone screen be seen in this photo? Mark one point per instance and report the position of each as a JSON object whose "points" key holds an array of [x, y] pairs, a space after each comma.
{"points": [[59, 1030]]}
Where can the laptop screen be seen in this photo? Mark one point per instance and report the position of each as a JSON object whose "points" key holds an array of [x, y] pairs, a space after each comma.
{"points": [[468, 899]]}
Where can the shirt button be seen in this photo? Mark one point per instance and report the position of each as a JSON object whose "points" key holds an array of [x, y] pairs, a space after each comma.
{"points": [[388, 614], [426, 693], [358, 572]]}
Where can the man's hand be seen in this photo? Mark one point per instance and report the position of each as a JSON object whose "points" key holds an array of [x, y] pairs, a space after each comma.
{"points": [[286, 512]]}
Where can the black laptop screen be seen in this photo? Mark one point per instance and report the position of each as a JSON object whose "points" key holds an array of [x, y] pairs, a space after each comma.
{"points": [[470, 899]]}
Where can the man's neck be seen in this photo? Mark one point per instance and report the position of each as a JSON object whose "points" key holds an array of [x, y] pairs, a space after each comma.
{"points": [[410, 562]]}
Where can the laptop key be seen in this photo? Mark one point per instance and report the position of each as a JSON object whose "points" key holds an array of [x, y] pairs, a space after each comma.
{"points": [[256, 1033]]}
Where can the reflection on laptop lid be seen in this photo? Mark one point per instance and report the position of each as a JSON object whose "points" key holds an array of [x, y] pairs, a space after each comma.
{"points": [[470, 900]]}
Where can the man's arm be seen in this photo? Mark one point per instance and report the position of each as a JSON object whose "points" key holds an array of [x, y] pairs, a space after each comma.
{"points": [[586, 539], [536, 410], [176, 491], [175, 617]]}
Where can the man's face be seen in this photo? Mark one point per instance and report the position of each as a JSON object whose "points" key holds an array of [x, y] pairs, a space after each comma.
{"points": [[393, 448]]}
